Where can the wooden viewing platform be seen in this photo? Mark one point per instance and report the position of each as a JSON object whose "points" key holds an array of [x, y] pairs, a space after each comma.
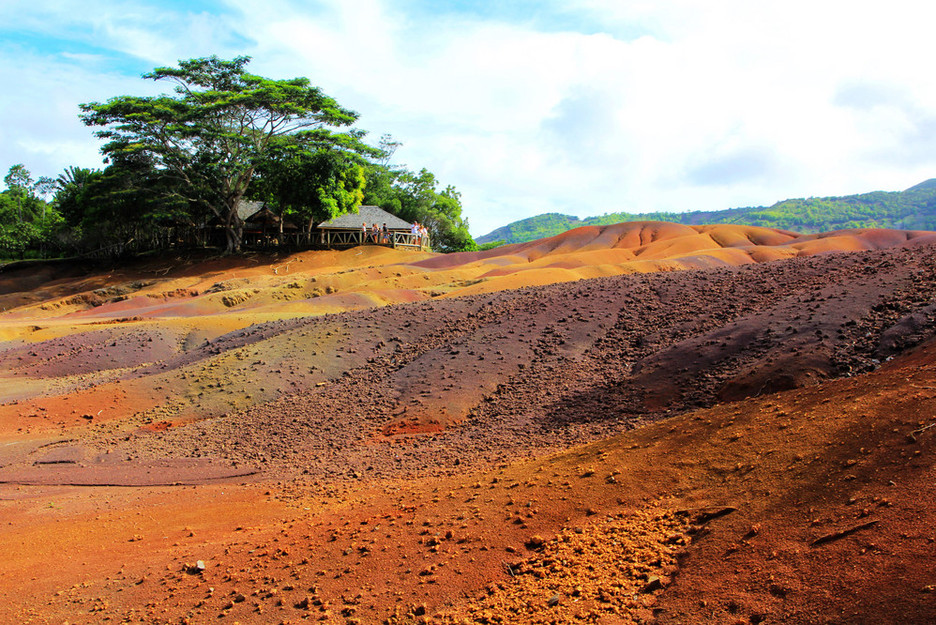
{"points": [[264, 230], [335, 238], [346, 231]]}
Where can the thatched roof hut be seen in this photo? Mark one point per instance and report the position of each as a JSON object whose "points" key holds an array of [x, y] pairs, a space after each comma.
{"points": [[366, 214], [346, 230], [266, 220]]}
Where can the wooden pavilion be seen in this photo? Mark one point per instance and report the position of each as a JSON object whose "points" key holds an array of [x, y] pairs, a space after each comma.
{"points": [[264, 228], [352, 229]]}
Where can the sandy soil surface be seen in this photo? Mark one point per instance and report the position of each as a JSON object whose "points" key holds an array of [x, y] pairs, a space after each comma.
{"points": [[692, 434]]}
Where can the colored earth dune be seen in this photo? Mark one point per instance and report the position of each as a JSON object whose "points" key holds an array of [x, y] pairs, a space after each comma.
{"points": [[643, 422]]}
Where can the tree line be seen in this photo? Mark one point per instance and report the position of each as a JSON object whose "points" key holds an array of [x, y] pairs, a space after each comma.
{"points": [[184, 162]]}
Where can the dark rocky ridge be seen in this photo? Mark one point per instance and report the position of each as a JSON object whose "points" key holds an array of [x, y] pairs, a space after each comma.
{"points": [[433, 387]]}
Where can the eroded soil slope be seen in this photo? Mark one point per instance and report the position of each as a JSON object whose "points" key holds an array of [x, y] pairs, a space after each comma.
{"points": [[810, 505], [757, 440], [428, 387]]}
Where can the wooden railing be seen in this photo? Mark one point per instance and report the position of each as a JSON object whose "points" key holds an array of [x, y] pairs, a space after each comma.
{"points": [[295, 240], [110, 251], [352, 238]]}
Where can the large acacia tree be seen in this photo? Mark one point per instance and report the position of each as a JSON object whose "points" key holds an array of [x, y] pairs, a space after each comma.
{"points": [[218, 128]]}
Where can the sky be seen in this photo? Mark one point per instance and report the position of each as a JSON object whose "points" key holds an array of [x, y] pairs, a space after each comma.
{"points": [[582, 107]]}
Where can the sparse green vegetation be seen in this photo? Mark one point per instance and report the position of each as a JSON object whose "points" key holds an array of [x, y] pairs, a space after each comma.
{"points": [[491, 245]]}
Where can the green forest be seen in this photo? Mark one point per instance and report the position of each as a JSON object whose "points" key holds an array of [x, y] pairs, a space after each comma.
{"points": [[179, 166], [913, 209]]}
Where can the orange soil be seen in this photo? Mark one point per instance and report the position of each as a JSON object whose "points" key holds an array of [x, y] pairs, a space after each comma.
{"points": [[795, 467], [239, 292], [811, 505]]}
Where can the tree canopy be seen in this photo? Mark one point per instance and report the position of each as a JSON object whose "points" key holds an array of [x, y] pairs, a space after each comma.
{"points": [[19, 183], [180, 165], [219, 127], [26, 220], [313, 186]]}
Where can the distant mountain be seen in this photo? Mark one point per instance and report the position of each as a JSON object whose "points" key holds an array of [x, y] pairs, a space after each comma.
{"points": [[913, 209]]}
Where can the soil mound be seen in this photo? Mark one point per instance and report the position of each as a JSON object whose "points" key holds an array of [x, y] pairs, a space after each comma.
{"points": [[196, 285], [714, 444]]}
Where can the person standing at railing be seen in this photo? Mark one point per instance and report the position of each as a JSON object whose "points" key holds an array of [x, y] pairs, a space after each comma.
{"points": [[363, 233]]}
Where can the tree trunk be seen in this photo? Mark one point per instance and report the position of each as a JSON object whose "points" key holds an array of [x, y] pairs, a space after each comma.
{"points": [[233, 229], [234, 235]]}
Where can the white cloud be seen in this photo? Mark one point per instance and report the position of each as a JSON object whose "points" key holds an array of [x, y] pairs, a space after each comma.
{"points": [[40, 114], [641, 106]]}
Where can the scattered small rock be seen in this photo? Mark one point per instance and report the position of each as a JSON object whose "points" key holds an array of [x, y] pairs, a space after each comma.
{"points": [[535, 542], [653, 583], [195, 569]]}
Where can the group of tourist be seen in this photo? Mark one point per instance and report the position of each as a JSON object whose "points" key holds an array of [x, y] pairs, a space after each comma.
{"points": [[377, 234], [381, 235], [419, 231]]}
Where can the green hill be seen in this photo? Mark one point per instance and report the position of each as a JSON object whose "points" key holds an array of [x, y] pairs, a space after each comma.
{"points": [[913, 209]]}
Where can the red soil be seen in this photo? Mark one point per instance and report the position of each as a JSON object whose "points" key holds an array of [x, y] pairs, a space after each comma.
{"points": [[716, 445]]}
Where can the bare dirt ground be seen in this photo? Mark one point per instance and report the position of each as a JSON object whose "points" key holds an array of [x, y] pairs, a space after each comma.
{"points": [[728, 443]]}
